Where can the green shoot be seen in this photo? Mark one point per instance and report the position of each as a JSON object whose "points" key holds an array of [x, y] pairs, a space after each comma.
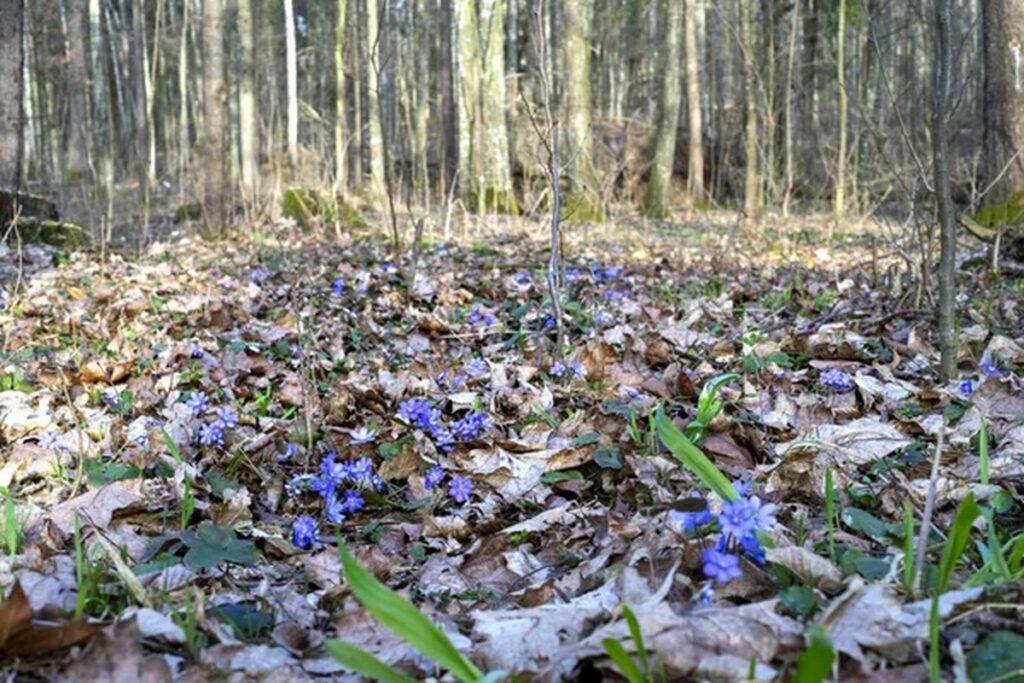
{"points": [[830, 513], [80, 571], [966, 513], [12, 526], [627, 667], [816, 662], [983, 452], [693, 459], [909, 567], [403, 619], [354, 659], [188, 503], [708, 406]]}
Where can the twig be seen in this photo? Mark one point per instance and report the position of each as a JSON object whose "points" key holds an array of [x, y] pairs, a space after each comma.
{"points": [[929, 508]]}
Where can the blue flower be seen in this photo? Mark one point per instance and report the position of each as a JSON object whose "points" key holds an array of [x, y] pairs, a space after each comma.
{"points": [[721, 566], [418, 413], [991, 369], [579, 370], [334, 509], [434, 477], [290, 451], [197, 402], [471, 426], [557, 369], [226, 418], [196, 351], [51, 441], [691, 521], [836, 379], [477, 367], [604, 319], [460, 489], [305, 533], [752, 548], [967, 387], [362, 435], [522, 277], [442, 436], [211, 434], [737, 518], [572, 274], [479, 316], [359, 471], [706, 595], [338, 286], [352, 501]]}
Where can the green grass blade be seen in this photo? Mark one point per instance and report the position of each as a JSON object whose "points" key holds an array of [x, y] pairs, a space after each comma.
{"points": [[966, 513], [355, 659], [983, 452], [815, 663], [171, 446], [693, 458], [627, 667], [403, 618], [908, 545], [830, 513], [638, 640]]}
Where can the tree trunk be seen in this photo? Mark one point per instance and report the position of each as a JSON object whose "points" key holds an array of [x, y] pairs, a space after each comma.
{"points": [[695, 130], [752, 178], [787, 190], [12, 117], [943, 198], [583, 203], [664, 144], [449, 112], [840, 190], [100, 128], [214, 100], [375, 142], [1003, 47], [246, 104], [292, 85], [141, 109], [340, 162], [77, 168]]}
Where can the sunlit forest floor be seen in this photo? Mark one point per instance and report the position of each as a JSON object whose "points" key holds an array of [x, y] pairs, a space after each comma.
{"points": [[188, 434]]}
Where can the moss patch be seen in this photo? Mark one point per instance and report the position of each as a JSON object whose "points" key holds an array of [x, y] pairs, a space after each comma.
{"points": [[56, 233], [495, 200], [582, 208], [306, 206], [1003, 214]]}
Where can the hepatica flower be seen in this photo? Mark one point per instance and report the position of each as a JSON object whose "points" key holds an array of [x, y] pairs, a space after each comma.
{"points": [[557, 369], [836, 379], [434, 477], [421, 415], [479, 316], [362, 435], [991, 369], [305, 533], [226, 418], [523, 277], [967, 387], [197, 402], [460, 489], [471, 426], [211, 434], [338, 286], [720, 566], [289, 452], [477, 367]]}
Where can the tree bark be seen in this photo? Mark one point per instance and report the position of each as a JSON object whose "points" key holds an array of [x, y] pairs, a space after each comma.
{"points": [[77, 169], [943, 199], [291, 85], [246, 103], [752, 178], [669, 93], [583, 203], [695, 131], [214, 101], [340, 161], [839, 195], [374, 64], [12, 116], [1003, 106]]}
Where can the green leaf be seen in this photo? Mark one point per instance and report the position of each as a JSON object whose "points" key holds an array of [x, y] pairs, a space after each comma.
{"points": [[799, 600], [608, 458], [171, 446], [966, 512], [638, 639], [868, 524], [585, 439], [1000, 657], [815, 663], [556, 477], [693, 458], [983, 452], [247, 621], [355, 659], [403, 619], [211, 545], [627, 667]]}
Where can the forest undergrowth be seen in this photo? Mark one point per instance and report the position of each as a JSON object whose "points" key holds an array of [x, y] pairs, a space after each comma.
{"points": [[191, 436]]}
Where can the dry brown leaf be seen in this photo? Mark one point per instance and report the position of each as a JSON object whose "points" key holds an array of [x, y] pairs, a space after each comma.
{"points": [[20, 636]]}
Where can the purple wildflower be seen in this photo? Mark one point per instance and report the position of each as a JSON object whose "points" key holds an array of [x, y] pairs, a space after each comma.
{"points": [[290, 451], [967, 387], [479, 316], [523, 277], [471, 426], [362, 435], [338, 286], [991, 369], [226, 418], [196, 351], [305, 533], [418, 413], [460, 489], [197, 402], [721, 566], [557, 369], [434, 477], [352, 501], [477, 367], [836, 379], [579, 371], [211, 434]]}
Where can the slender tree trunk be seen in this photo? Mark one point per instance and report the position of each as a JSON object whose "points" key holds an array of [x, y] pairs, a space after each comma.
{"points": [[695, 130], [12, 118], [840, 190], [449, 112], [292, 85], [340, 162], [100, 129], [943, 198], [77, 168], [214, 101], [669, 92], [1003, 51], [752, 178], [583, 203], [787, 191], [374, 64], [246, 104], [140, 92], [183, 125]]}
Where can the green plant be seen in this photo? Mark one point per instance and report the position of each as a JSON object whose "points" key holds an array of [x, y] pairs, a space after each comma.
{"points": [[983, 452], [13, 532], [909, 562], [708, 406], [966, 512], [617, 652], [815, 663], [403, 619], [693, 459], [830, 513], [188, 503]]}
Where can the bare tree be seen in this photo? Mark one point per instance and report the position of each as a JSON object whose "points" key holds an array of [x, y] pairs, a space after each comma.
{"points": [[214, 118], [11, 113], [943, 197]]}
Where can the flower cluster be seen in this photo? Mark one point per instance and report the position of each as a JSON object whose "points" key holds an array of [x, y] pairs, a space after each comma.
{"points": [[362, 435], [836, 379], [338, 286], [421, 415], [605, 273], [739, 522], [480, 316], [459, 488], [212, 433], [341, 486]]}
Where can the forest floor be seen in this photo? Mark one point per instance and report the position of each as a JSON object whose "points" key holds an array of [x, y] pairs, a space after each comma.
{"points": [[186, 437]]}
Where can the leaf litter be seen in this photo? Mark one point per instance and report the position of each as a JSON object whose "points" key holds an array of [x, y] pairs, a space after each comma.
{"points": [[188, 435]]}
